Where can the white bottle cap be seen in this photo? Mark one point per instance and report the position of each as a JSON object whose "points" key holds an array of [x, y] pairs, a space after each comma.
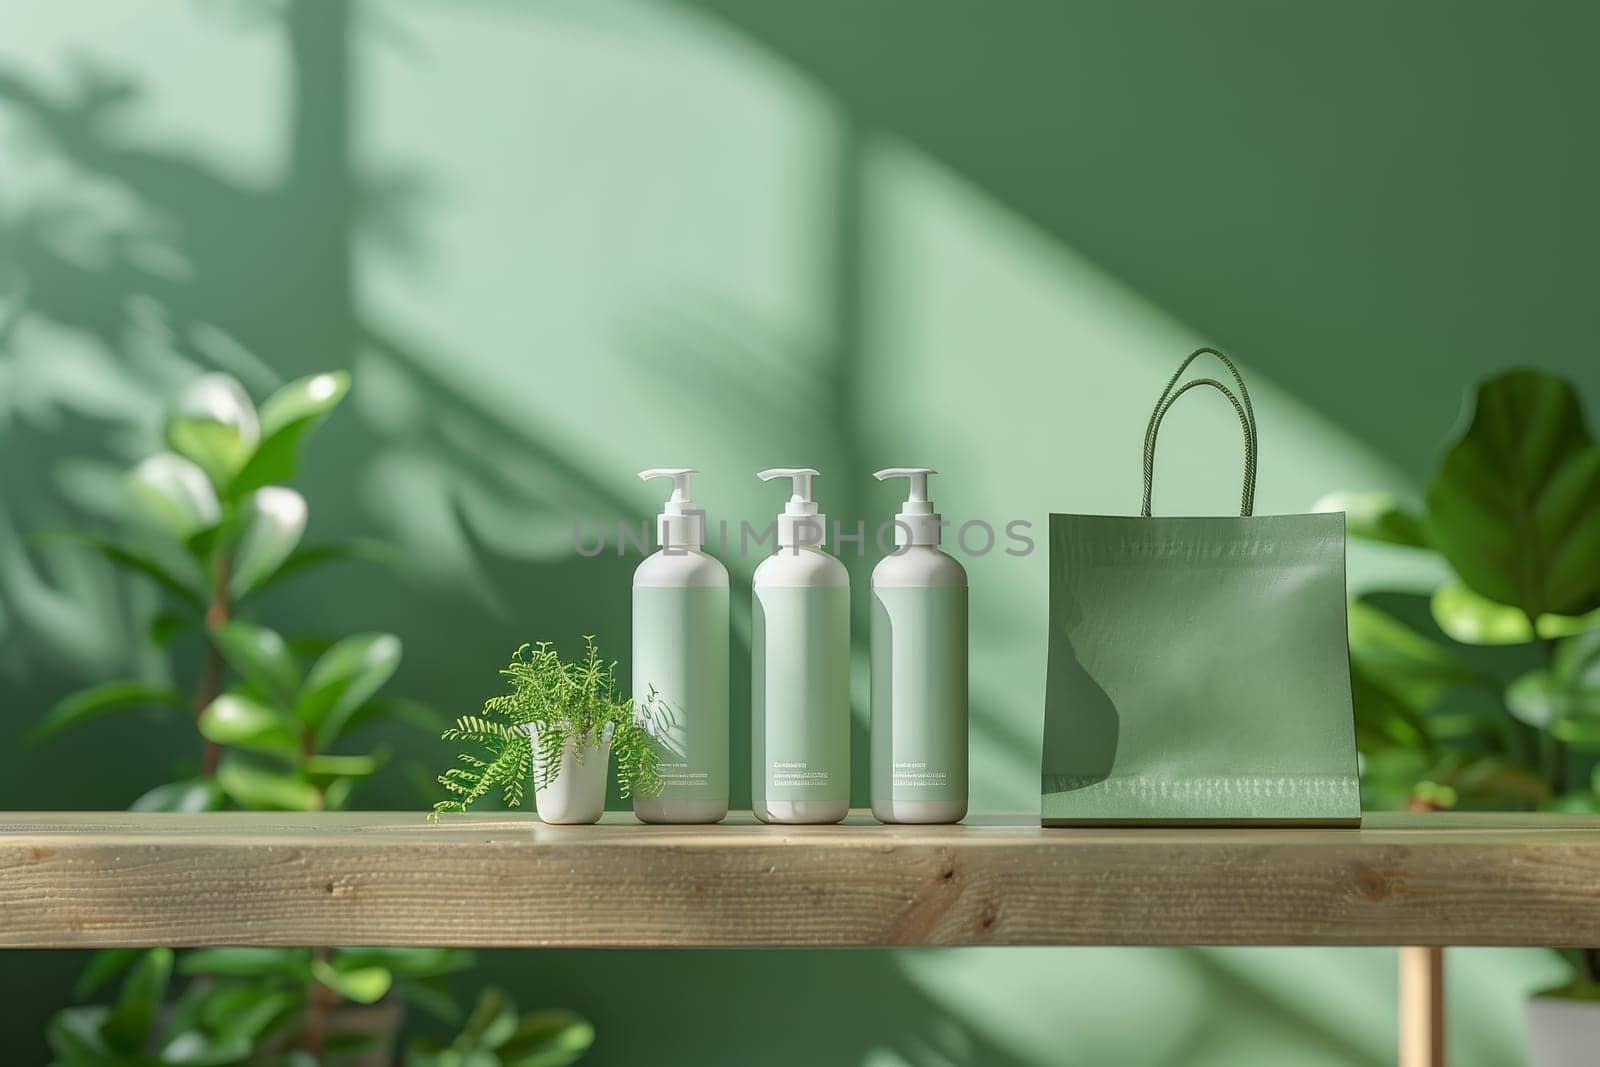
{"points": [[917, 523], [800, 524], [680, 524]]}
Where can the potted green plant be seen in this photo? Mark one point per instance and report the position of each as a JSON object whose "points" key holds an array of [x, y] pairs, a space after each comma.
{"points": [[561, 724], [1485, 691]]}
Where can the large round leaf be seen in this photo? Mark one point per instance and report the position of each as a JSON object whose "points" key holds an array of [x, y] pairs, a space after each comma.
{"points": [[287, 417], [215, 425], [277, 519], [1515, 506], [177, 492], [1477, 620]]}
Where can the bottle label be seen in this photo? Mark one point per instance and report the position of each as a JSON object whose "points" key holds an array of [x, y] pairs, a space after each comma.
{"points": [[680, 651], [919, 693], [800, 694]]}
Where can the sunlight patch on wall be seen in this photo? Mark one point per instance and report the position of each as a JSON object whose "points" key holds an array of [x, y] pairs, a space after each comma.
{"points": [[1026, 374]]}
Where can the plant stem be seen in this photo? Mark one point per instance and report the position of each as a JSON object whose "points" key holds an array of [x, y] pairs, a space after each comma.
{"points": [[1558, 748], [211, 673], [320, 1001]]}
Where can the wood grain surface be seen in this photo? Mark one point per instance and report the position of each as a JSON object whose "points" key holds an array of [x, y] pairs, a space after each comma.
{"points": [[92, 879]]}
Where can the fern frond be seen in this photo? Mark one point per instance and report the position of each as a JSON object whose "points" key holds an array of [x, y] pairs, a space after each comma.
{"points": [[525, 732]]}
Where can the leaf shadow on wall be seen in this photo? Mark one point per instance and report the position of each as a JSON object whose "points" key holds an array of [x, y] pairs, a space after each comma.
{"points": [[207, 272]]}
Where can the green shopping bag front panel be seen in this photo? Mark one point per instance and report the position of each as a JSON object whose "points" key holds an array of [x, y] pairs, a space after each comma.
{"points": [[1198, 672]]}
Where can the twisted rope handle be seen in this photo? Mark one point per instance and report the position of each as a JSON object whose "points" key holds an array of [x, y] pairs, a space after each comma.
{"points": [[1241, 406]]}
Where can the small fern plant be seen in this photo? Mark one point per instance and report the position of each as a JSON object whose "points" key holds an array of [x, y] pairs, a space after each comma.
{"points": [[556, 701]]}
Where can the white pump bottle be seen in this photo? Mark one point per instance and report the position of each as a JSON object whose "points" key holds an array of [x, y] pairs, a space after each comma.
{"points": [[680, 661], [919, 669], [800, 671]]}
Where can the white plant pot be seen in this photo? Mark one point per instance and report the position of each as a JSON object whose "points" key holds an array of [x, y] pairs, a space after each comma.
{"points": [[577, 794], [1563, 1032]]}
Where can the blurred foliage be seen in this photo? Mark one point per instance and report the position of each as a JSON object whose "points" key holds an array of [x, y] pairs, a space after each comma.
{"points": [[212, 525], [258, 1006], [1486, 694]]}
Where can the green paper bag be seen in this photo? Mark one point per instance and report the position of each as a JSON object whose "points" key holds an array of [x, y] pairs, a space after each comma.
{"points": [[1199, 668]]}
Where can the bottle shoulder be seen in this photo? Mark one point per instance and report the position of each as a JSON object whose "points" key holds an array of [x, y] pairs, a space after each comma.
{"points": [[680, 567], [806, 567], [919, 566]]}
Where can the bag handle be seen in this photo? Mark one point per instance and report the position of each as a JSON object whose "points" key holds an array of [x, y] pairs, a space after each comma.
{"points": [[1241, 406]]}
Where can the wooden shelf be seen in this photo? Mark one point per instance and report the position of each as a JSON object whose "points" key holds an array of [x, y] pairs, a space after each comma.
{"points": [[91, 879]]}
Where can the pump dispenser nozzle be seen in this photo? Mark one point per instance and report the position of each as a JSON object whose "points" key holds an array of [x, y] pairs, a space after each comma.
{"points": [[680, 524], [917, 523], [801, 523]]}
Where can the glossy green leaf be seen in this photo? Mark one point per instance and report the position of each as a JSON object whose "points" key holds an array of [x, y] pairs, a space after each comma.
{"points": [[215, 425], [364, 985], [416, 963], [195, 1049], [275, 520], [239, 722], [288, 963], [250, 1011], [191, 795], [166, 626], [336, 794], [86, 705], [74, 1035], [1376, 516], [343, 679], [1581, 733], [1515, 506], [176, 492], [180, 582], [102, 967], [344, 766], [1477, 620], [261, 657], [490, 1024], [1564, 698], [1406, 663], [432, 995], [256, 787], [1577, 660], [1573, 804], [313, 556], [128, 1026], [287, 418], [547, 1039]]}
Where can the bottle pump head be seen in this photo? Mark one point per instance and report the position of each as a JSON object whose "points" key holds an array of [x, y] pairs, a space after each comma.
{"points": [[680, 524], [917, 523], [800, 524]]}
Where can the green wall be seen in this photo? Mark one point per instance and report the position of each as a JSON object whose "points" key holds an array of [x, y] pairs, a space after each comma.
{"points": [[560, 242]]}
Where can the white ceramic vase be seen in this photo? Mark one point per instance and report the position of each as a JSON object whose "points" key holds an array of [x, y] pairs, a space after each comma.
{"points": [[577, 794], [1563, 1032]]}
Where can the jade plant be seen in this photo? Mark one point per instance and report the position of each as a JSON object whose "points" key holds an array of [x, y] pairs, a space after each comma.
{"points": [[1485, 691], [564, 704], [212, 526]]}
